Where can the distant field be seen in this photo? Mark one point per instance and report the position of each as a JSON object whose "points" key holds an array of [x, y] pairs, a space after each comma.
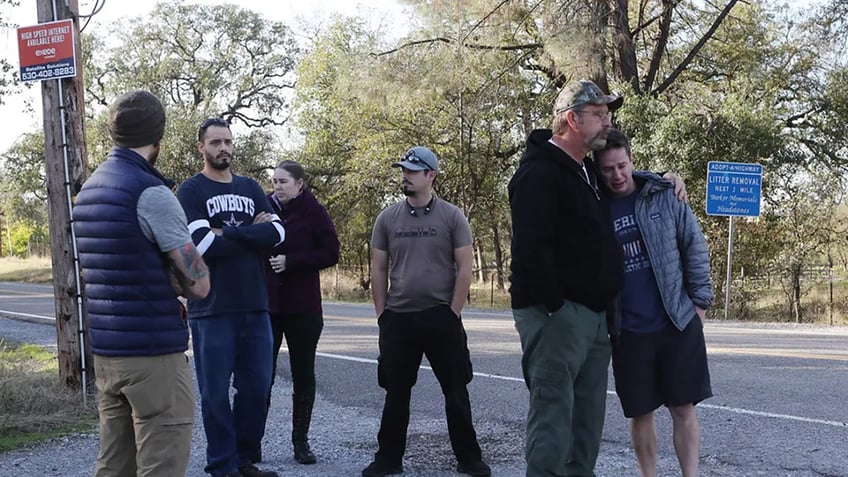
{"points": [[31, 270], [752, 300]]}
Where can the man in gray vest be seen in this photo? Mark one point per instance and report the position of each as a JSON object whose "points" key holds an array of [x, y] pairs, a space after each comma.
{"points": [[427, 241], [132, 238]]}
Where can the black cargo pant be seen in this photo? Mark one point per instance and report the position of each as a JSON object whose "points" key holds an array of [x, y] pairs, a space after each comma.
{"points": [[404, 338]]}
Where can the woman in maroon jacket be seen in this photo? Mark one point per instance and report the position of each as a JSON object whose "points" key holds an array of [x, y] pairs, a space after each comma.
{"points": [[294, 290]]}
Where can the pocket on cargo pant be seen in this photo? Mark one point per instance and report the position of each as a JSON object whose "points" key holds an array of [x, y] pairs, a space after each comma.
{"points": [[547, 384]]}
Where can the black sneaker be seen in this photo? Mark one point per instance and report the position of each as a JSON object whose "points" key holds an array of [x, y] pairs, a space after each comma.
{"points": [[475, 469], [379, 469], [250, 470]]}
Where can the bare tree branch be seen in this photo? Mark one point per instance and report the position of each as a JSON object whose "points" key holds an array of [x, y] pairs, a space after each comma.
{"points": [[473, 46], [486, 17], [625, 51], [661, 44], [703, 41]]}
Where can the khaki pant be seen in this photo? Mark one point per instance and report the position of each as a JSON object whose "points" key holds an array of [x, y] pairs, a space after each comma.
{"points": [[146, 408]]}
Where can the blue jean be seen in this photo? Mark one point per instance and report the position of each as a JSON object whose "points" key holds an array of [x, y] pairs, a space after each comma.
{"points": [[238, 347]]}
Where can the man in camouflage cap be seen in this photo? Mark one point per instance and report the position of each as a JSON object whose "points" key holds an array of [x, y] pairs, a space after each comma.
{"points": [[584, 92], [566, 271]]}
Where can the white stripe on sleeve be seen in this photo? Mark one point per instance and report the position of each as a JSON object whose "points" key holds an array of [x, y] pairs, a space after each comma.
{"points": [[197, 225], [280, 230], [204, 244]]}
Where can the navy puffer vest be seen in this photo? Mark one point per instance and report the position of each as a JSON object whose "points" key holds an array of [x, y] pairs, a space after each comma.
{"points": [[132, 309]]}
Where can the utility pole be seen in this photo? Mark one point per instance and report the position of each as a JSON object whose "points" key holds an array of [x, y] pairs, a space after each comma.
{"points": [[66, 167]]}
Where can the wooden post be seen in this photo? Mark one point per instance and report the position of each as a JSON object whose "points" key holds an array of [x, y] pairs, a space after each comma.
{"points": [[66, 167]]}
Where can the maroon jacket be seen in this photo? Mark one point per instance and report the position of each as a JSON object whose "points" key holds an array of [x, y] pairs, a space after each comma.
{"points": [[311, 244]]}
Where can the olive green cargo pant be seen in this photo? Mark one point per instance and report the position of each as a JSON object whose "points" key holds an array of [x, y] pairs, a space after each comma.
{"points": [[565, 356]]}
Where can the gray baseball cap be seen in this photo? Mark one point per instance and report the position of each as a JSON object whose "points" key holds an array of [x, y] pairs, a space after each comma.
{"points": [[585, 92], [419, 158]]}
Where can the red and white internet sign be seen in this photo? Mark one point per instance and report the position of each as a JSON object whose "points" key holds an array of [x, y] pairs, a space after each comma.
{"points": [[47, 51]]}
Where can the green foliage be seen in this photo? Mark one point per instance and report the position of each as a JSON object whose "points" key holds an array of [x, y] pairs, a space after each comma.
{"points": [[26, 239], [763, 84], [8, 84], [344, 150], [23, 209], [202, 61], [362, 104]]}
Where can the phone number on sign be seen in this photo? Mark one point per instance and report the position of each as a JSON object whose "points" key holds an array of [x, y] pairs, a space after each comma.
{"points": [[63, 71]]}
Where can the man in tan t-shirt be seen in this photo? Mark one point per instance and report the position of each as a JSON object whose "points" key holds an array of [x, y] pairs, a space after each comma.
{"points": [[427, 241]]}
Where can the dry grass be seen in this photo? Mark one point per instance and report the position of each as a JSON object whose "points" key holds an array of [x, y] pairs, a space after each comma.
{"points": [[34, 405], [765, 304], [338, 284], [30, 270], [771, 304]]}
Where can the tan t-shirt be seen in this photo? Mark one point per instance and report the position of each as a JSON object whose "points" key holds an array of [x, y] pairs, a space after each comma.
{"points": [[420, 247]]}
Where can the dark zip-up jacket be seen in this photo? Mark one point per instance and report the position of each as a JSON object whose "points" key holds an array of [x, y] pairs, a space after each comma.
{"points": [[563, 246], [132, 309], [311, 245]]}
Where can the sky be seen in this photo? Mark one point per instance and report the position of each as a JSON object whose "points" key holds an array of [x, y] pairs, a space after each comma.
{"points": [[15, 120]]}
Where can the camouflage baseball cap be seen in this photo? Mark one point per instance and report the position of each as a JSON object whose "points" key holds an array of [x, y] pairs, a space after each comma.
{"points": [[584, 92]]}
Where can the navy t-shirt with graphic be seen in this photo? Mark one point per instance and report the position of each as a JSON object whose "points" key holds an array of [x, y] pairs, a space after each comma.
{"points": [[641, 303]]}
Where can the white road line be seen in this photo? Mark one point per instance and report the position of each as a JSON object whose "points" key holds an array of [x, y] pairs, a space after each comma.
{"points": [[775, 416], [27, 315], [356, 359], [735, 410], [374, 361], [342, 357]]}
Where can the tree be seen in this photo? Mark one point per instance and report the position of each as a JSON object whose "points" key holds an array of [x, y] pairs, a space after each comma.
{"points": [[459, 102], [808, 203], [345, 151], [8, 83], [202, 61], [23, 192]]}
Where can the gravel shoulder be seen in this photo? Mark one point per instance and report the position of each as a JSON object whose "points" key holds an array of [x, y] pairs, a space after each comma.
{"points": [[344, 438]]}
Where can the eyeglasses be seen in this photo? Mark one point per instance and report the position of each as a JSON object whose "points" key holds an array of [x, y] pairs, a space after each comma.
{"points": [[601, 115], [411, 158], [210, 122]]}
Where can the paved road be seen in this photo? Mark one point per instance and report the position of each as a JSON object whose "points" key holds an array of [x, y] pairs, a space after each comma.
{"points": [[779, 405]]}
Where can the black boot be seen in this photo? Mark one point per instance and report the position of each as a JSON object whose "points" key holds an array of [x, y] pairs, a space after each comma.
{"points": [[301, 417]]}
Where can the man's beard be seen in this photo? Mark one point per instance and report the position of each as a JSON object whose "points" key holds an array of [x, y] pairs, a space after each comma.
{"points": [[221, 165], [406, 190], [154, 155], [598, 142]]}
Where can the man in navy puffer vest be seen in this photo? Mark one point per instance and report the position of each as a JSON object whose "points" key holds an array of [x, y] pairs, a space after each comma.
{"points": [[133, 240]]}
